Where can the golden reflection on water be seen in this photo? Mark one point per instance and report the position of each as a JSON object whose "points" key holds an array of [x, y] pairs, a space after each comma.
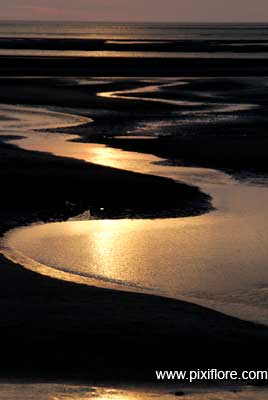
{"points": [[192, 257]]}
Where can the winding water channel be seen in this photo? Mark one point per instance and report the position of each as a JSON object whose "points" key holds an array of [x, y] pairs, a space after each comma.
{"points": [[218, 259]]}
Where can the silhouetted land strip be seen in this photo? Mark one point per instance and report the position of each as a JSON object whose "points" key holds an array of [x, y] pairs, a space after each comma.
{"points": [[123, 66], [236, 46]]}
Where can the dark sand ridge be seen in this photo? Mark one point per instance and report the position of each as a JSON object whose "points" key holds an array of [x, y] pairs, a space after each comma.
{"points": [[237, 46], [50, 326], [58, 330], [123, 66], [56, 188]]}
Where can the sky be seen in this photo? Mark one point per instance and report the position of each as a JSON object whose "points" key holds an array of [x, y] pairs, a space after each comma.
{"points": [[137, 10]]}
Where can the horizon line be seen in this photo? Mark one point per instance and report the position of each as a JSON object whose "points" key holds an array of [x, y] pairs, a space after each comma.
{"points": [[132, 21]]}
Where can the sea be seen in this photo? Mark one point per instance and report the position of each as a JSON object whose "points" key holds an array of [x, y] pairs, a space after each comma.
{"points": [[176, 40]]}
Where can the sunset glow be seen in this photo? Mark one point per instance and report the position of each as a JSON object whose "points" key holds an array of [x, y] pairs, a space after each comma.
{"points": [[121, 10]]}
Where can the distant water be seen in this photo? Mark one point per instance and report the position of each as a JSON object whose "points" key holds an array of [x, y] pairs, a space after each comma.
{"points": [[134, 31], [232, 36]]}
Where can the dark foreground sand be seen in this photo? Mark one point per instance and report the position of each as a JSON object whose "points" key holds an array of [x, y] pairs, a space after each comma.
{"points": [[57, 330], [54, 329], [124, 66]]}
